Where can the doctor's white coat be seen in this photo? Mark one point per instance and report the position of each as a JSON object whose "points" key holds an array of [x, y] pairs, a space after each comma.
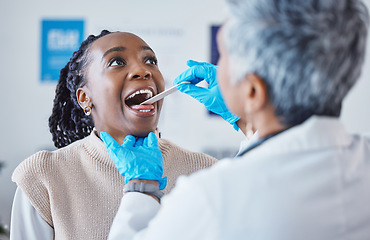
{"points": [[309, 182]]}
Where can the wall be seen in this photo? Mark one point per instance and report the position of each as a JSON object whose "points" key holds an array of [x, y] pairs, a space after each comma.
{"points": [[176, 30]]}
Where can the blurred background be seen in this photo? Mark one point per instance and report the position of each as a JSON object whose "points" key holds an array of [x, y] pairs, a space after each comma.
{"points": [[176, 30]]}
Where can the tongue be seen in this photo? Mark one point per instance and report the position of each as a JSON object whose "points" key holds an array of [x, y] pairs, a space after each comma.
{"points": [[142, 107]]}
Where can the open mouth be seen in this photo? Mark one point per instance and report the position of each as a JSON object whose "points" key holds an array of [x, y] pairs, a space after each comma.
{"points": [[134, 99]]}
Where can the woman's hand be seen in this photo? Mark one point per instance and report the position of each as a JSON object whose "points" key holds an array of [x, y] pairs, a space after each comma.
{"points": [[137, 158]]}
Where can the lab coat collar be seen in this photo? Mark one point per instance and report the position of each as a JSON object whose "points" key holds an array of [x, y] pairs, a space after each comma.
{"points": [[255, 143], [314, 134]]}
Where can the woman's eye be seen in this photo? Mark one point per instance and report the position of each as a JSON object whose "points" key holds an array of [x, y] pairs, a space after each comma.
{"points": [[116, 62], [152, 60]]}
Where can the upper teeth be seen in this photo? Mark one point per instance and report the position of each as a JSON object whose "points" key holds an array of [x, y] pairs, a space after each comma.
{"points": [[147, 91]]}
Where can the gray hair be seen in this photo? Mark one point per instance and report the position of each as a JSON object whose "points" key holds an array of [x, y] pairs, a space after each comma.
{"points": [[309, 53]]}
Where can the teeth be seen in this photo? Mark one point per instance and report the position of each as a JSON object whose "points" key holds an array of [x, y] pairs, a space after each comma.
{"points": [[144, 110], [141, 91]]}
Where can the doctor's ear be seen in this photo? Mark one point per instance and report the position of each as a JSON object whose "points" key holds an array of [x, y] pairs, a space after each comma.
{"points": [[84, 100], [255, 93]]}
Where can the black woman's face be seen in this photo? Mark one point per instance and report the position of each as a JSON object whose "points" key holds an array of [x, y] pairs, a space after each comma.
{"points": [[122, 73]]}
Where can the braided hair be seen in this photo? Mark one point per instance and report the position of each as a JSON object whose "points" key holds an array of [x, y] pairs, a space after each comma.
{"points": [[67, 122]]}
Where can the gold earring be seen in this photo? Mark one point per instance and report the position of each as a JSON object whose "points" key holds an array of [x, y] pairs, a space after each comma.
{"points": [[157, 133], [249, 130], [87, 110]]}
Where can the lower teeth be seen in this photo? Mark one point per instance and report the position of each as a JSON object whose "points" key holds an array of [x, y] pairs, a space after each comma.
{"points": [[144, 110]]}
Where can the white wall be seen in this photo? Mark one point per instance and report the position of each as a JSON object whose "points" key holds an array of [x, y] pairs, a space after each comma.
{"points": [[176, 30]]}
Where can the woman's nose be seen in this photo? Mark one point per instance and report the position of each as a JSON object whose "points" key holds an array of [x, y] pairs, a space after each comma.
{"points": [[140, 73]]}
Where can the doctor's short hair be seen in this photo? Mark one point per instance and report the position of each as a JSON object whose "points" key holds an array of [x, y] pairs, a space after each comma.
{"points": [[309, 53]]}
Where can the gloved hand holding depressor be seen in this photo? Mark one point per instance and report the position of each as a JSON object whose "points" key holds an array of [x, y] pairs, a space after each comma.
{"points": [[137, 158], [210, 97]]}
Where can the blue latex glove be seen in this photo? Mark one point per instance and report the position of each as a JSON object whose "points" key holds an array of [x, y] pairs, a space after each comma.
{"points": [[210, 97], [137, 158]]}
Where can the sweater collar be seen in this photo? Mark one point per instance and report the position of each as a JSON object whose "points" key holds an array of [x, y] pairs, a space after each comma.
{"points": [[94, 146]]}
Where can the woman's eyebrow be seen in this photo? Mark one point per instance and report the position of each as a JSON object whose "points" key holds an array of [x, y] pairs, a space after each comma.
{"points": [[121, 48], [114, 49], [147, 48]]}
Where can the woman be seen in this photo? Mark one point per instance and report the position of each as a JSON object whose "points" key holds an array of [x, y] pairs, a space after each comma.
{"points": [[285, 67], [74, 192]]}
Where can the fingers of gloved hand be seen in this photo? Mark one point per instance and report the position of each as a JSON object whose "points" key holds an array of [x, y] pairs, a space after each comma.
{"points": [[129, 141], [191, 63], [139, 142], [152, 140], [196, 92], [206, 70], [189, 75], [108, 140], [197, 72], [114, 150], [145, 142]]}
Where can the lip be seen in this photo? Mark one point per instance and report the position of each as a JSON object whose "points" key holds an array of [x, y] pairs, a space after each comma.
{"points": [[143, 110]]}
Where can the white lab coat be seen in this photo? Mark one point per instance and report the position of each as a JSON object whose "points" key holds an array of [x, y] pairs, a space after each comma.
{"points": [[309, 182]]}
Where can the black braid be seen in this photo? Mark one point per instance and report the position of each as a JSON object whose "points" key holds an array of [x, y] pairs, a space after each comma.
{"points": [[68, 123]]}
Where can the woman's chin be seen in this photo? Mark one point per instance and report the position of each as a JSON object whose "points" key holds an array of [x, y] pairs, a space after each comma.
{"points": [[142, 132]]}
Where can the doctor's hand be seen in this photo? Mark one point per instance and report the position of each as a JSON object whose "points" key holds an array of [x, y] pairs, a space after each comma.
{"points": [[137, 158], [210, 97]]}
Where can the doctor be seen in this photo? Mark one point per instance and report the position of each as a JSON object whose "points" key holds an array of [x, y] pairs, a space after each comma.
{"points": [[285, 67]]}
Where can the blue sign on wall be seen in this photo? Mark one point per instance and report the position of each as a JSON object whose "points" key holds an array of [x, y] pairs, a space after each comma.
{"points": [[60, 38], [214, 50]]}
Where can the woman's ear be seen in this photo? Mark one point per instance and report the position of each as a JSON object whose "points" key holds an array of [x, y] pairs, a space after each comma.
{"points": [[255, 94], [83, 98]]}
